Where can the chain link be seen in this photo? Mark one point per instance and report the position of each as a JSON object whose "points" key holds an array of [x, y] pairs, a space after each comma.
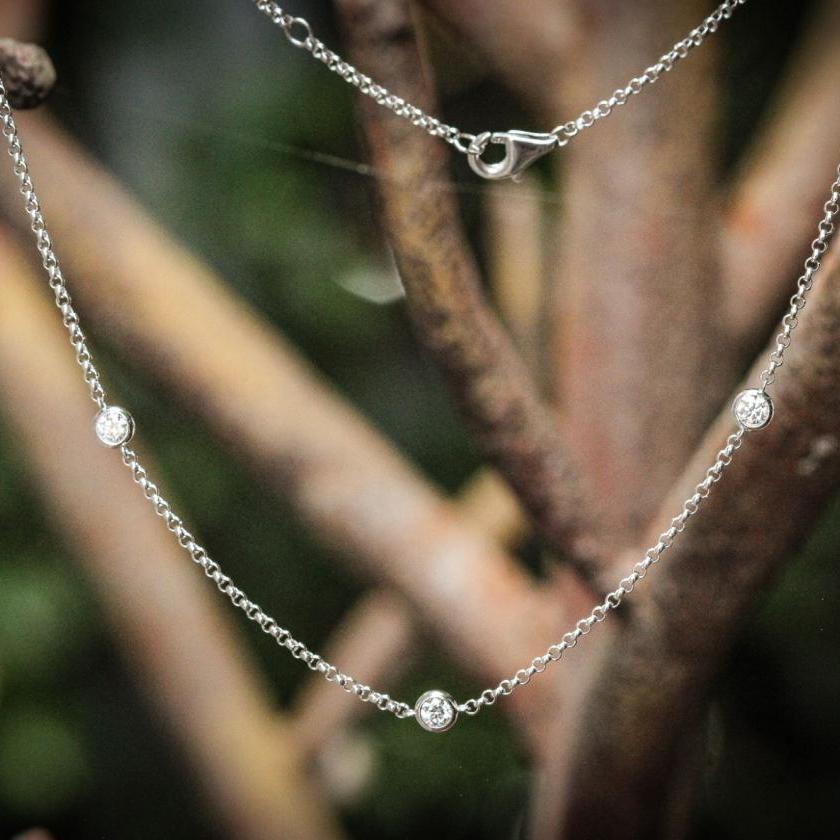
{"points": [[48, 257], [299, 33], [637, 84], [626, 585], [252, 610], [806, 281]]}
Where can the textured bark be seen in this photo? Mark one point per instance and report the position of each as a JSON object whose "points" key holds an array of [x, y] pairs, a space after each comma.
{"points": [[637, 346], [524, 44], [27, 72], [166, 618], [444, 291], [780, 188]]}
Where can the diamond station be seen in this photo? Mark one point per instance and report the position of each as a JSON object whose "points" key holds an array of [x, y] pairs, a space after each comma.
{"points": [[436, 711], [753, 409]]}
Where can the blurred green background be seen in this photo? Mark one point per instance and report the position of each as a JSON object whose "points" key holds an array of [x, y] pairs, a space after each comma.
{"points": [[208, 116]]}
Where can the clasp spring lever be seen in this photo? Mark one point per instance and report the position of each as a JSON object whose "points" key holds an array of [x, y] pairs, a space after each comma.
{"points": [[522, 148]]}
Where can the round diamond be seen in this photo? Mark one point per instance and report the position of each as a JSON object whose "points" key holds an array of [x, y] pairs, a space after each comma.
{"points": [[753, 409], [114, 426], [436, 711]]}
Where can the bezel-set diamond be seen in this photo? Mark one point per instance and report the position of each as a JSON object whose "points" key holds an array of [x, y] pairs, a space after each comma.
{"points": [[753, 409], [114, 426], [436, 711]]}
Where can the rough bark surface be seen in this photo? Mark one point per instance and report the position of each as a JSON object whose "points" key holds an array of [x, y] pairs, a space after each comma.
{"points": [[638, 346]]}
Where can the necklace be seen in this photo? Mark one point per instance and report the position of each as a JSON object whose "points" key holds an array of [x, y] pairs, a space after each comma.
{"points": [[521, 148], [435, 711]]}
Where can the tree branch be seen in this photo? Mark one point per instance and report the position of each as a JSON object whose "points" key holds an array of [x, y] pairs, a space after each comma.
{"points": [[527, 47], [637, 274], [780, 187], [444, 294], [375, 639], [684, 619], [250, 769]]}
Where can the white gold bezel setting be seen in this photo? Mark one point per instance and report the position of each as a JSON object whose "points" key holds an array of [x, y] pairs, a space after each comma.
{"points": [[436, 711], [753, 409], [114, 426]]}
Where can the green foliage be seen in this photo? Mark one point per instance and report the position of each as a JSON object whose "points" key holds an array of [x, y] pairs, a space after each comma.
{"points": [[42, 619], [42, 762]]}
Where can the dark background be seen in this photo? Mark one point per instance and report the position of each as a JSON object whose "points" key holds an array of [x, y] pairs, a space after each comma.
{"points": [[219, 128]]}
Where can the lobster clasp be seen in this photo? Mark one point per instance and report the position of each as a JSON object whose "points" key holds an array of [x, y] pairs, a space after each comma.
{"points": [[522, 148]]}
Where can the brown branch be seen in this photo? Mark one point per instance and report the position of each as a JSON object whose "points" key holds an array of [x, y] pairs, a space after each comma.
{"points": [[22, 20], [444, 291], [27, 71], [525, 44], [376, 638], [637, 275], [352, 489], [165, 615], [781, 186], [515, 241], [684, 619]]}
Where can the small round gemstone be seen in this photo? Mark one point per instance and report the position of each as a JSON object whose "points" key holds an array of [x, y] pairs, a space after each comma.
{"points": [[436, 711], [114, 426], [753, 409]]}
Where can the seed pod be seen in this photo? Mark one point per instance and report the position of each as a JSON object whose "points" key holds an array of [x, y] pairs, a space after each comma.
{"points": [[28, 73]]}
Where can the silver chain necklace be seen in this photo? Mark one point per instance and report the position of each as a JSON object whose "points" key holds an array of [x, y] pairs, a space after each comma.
{"points": [[435, 711], [521, 148]]}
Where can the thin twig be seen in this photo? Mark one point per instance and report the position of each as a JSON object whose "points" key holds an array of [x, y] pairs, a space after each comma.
{"points": [[377, 637], [780, 187], [27, 71]]}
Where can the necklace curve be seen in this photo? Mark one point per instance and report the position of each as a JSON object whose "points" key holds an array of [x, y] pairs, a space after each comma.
{"points": [[434, 711], [521, 148]]}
